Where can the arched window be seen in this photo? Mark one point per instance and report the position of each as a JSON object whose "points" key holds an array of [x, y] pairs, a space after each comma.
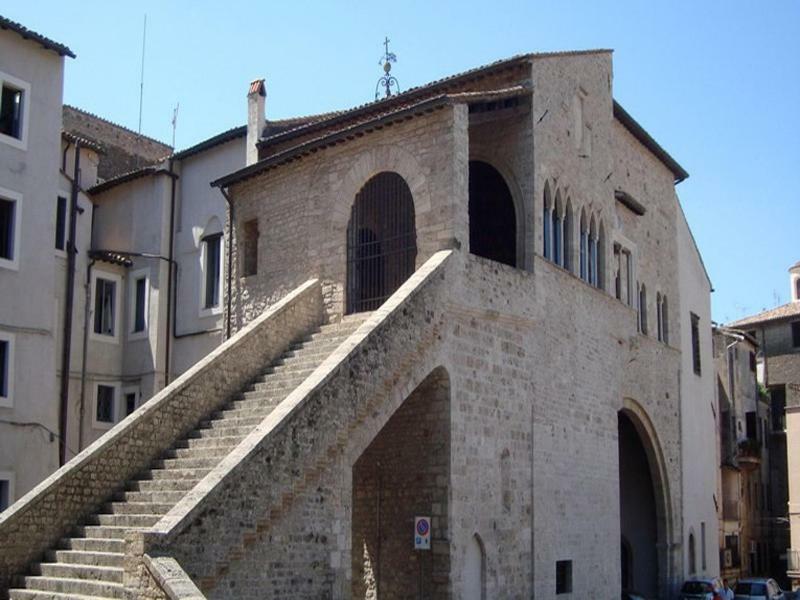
{"points": [[600, 253], [211, 256], [584, 247], [659, 323], [592, 252], [492, 215], [664, 320], [547, 212], [474, 578], [643, 309], [692, 556], [568, 244], [381, 241], [558, 231]]}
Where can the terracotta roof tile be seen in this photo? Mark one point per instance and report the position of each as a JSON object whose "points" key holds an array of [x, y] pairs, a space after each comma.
{"points": [[43, 41], [792, 309]]}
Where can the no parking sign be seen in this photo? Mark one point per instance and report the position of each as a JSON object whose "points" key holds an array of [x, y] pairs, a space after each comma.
{"points": [[422, 533]]}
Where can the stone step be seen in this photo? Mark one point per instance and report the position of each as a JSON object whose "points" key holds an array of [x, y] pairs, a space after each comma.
{"points": [[85, 544], [283, 386], [161, 485], [204, 443], [39, 595], [194, 462], [79, 557], [123, 520], [158, 474], [138, 508], [186, 452], [230, 431], [166, 497], [252, 409], [222, 422], [101, 532], [75, 586], [79, 571]]}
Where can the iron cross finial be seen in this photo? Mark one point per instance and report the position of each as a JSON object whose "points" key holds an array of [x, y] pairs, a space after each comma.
{"points": [[387, 81]]}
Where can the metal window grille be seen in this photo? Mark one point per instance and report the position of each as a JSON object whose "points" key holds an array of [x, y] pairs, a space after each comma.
{"points": [[381, 242]]}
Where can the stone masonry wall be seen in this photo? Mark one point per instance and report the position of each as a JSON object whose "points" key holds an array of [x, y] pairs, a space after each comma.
{"points": [[79, 488]]}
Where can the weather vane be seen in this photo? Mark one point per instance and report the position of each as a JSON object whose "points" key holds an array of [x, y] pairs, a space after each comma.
{"points": [[387, 81]]}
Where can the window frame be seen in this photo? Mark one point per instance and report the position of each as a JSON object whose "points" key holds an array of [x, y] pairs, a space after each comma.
{"points": [[117, 280], [115, 404], [133, 279], [7, 401], [10, 477], [20, 143], [207, 311], [123, 406], [16, 198]]}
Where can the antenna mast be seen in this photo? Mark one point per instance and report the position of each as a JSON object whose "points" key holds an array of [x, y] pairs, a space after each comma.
{"points": [[174, 123], [141, 80]]}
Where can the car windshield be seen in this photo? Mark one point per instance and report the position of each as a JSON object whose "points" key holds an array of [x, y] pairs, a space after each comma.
{"points": [[696, 587], [751, 589]]}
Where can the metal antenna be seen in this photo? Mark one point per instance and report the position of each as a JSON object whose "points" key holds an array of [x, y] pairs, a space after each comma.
{"points": [[388, 80], [174, 123], [141, 80]]}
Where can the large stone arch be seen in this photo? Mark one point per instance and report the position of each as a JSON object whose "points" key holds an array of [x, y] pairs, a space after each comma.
{"points": [[517, 197], [644, 427]]}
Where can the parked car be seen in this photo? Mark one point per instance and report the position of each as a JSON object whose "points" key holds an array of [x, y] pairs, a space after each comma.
{"points": [[759, 588], [701, 588]]}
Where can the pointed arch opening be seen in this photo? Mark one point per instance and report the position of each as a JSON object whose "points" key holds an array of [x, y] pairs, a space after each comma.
{"points": [[492, 215], [569, 226], [558, 230], [381, 241], [547, 211], [584, 247]]}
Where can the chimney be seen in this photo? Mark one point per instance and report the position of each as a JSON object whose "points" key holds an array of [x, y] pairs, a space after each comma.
{"points": [[255, 118]]}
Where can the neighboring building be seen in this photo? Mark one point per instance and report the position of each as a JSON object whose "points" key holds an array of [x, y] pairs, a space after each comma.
{"points": [[31, 87], [778, 334], [477, 302], [746, 521]]}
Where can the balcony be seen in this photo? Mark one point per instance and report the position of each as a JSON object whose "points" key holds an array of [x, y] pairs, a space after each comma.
{"points": [[748, 454]]}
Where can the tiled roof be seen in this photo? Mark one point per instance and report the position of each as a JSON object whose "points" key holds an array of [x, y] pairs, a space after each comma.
{"points": [[86, 142], [166, 147], [344, 134], [126, 177], [109, 256], [792, 309], [43, 41]]}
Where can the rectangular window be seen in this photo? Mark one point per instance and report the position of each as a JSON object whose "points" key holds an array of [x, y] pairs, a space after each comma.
{"points": [[105, 404], [6, 369], [618, 271], [130, 402], [703, 544], [213, 247], [7, 228], [564, 577], [11, 107], [104, 306], [796, 334], [250, 253], [696, 344], [5, 494], [139, 304], [61, 223]]}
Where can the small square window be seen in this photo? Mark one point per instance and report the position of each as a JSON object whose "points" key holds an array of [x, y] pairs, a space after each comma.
{"points": [[564, 577], [61, 223], [11, 106], [105, 404]]}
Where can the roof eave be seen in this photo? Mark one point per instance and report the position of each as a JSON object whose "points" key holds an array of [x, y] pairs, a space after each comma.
{"points": [[28, 34]]}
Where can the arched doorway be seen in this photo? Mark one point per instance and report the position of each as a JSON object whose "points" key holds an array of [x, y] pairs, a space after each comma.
{"points": [[492, 216], [381, 241], [641, 567]]}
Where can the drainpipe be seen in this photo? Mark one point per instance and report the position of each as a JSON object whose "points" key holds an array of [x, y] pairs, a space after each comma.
{"points": [[170, 262], [68, 301], [87, 311], [230, 262]]}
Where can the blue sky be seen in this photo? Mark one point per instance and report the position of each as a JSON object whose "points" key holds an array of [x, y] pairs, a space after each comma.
{"points": [[716, 82]]}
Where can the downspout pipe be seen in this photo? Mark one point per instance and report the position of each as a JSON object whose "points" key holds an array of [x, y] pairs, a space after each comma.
{"points": [[170, 278], [229, 276], [69, 290], [87, 311]]}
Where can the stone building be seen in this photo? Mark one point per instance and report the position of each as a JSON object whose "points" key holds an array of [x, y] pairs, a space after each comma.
{"points": [[778, 333], [476, 302], [746, 520]]}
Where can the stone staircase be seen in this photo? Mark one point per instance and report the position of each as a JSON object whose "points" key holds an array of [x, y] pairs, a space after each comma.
{"points": [[89, 565]]}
